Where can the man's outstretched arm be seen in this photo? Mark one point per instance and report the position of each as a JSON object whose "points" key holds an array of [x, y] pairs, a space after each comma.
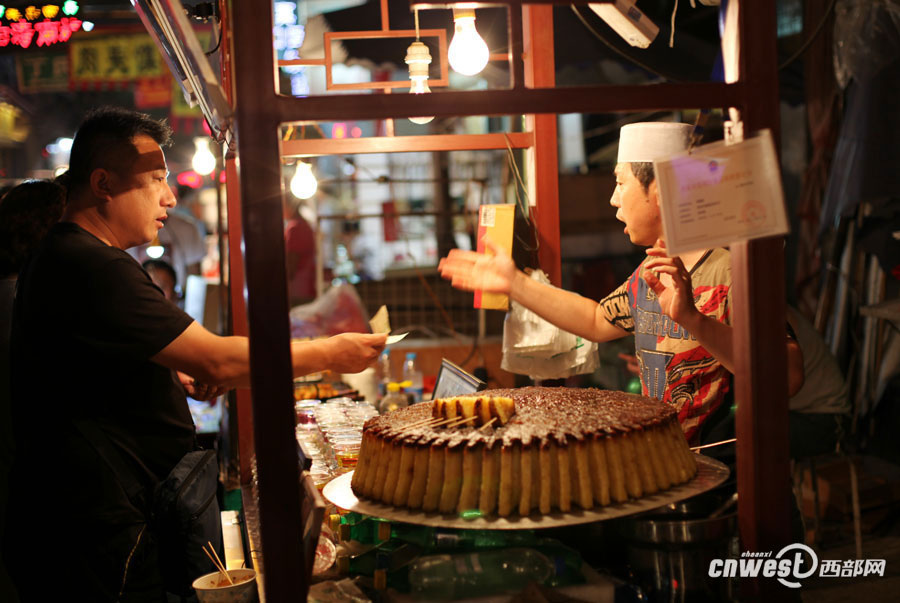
{"points": [[495, 272], [225, 361]]}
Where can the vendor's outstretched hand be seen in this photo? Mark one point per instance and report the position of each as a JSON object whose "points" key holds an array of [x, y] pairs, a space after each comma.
{"points": [[492, 272], [676, 294]]}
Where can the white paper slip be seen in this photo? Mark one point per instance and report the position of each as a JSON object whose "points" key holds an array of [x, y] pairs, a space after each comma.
{"points": [[395, 338], [380, 323], [719, 194]]}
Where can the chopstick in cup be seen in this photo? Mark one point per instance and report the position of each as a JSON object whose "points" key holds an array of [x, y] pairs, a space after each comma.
{"points": [[214, 557], [222, 565]]}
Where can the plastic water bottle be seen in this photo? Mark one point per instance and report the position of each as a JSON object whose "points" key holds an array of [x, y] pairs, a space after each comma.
{"points": [[393, 400], [384, 373], [443, 577], [412, 374]]}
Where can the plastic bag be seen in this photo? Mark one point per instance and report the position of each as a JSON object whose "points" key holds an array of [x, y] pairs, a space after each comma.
{"points": [[534, 347], [338, 310], [866, 38]]}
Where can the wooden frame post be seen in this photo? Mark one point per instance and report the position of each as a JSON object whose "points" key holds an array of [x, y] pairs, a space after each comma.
{"points": [[758, 294], [259, 172]]}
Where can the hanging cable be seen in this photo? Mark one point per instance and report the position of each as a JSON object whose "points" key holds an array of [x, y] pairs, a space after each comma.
{"points": [[618, 51], [805, 46]]}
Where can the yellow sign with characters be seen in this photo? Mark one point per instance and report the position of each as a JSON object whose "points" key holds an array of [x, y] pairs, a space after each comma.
{"points": [[115, 59]]}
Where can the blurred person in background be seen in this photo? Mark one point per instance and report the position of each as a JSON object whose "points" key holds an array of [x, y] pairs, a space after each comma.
{"points": [[163, 276], [300, 250], [27, 212]]}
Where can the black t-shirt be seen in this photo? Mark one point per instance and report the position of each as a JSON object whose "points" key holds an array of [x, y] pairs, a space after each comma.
{"points": [[87, 319]]}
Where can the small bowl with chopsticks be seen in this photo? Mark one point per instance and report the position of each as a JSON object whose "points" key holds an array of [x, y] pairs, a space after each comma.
{"points": [[215, 587], [225, 585]]}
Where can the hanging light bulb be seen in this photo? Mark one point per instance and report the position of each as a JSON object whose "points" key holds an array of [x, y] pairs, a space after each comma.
{"points": [[304, 184], [155, 250], [204, 162], [418, 58], [468, 53]]}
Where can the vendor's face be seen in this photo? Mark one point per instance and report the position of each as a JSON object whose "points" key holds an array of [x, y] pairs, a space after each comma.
{"points": [[637, 208], [140, 197]]}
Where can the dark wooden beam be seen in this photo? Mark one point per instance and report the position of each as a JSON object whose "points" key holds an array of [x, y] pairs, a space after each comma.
{"points": [[513, 4], [259, 171], [543, 160], [758, 294], [581, 99]]}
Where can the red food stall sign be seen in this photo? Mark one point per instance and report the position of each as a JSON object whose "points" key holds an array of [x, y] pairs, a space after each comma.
{"points": [[36, 26]]}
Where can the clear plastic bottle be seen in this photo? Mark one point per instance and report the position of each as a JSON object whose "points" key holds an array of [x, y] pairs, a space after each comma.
{"points": [[412, 374], [393, 400], [383, 370], [444, 577]]}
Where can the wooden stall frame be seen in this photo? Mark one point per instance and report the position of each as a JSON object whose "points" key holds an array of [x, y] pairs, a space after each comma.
{"points": [[758, 293]]}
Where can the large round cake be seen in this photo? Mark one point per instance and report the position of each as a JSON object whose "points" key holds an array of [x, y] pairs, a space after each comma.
{"points": [[522, 451]]}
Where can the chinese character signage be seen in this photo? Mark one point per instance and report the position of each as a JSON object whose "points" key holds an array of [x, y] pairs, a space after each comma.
{"points": [[38, 25], [114, 59], [43, 71]]}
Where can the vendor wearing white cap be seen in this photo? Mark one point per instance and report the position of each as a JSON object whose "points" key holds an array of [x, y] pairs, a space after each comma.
{"points": [[678, 308]]}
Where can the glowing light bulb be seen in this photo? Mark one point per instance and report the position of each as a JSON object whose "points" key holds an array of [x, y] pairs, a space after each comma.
{"points": [[304, 184], [468, 53], [156, 249], [204, 162], [418, 58]]}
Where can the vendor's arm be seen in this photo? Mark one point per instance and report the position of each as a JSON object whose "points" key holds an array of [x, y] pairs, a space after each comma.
{"points": [[496, 273], [225, 361], [676, 300]]}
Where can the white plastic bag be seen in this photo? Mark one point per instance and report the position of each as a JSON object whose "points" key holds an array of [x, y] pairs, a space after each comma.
{"points": [[534, 347]]}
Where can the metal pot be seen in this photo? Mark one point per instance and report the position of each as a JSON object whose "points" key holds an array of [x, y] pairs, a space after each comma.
{"points": [[670, 548]]}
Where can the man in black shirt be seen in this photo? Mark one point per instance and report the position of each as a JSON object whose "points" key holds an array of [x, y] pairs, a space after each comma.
{"points": [[94, 339]]}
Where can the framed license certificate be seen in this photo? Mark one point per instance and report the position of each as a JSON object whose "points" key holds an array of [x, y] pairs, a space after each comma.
{"points": [[718, 194]]}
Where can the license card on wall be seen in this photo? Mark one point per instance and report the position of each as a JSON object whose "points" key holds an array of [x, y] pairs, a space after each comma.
{"points": [[720, 194]]}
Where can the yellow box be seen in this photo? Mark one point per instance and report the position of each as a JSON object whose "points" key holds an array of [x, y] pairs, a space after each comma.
{"points": [[497, 222]]}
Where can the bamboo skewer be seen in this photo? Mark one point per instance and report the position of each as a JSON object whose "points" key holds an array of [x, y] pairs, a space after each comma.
{"points": [[488, 424], [696, 448], [421, 423], [461, 421], [214, 557]]}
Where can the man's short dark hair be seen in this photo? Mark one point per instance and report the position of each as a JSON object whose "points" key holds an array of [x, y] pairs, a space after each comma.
{"points": [[27, 212], [643, 171], [105, 140]]}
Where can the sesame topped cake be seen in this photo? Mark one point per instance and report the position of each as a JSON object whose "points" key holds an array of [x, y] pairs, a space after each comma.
{"points": [[522, 451]]}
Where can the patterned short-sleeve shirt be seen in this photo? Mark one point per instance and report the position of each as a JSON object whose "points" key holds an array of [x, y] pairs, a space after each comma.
{"points": [[675, 368]]}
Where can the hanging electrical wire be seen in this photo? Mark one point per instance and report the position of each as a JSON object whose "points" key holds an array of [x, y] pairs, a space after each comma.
{"points": [[805, 46], [620, 52]]}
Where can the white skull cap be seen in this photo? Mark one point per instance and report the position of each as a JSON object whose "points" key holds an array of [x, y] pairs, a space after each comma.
{"points": [[647, 141]]}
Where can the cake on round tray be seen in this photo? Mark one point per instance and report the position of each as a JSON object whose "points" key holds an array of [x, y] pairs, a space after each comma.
{"points": [[522, 451]]}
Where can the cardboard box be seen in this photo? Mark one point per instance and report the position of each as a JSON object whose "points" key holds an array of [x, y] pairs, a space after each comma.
{"points": [[497, 222]]}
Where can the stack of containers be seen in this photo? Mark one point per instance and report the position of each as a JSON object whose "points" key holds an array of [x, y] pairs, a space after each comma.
{"points": [[312, 443], [341, 421], [330, 435]]}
